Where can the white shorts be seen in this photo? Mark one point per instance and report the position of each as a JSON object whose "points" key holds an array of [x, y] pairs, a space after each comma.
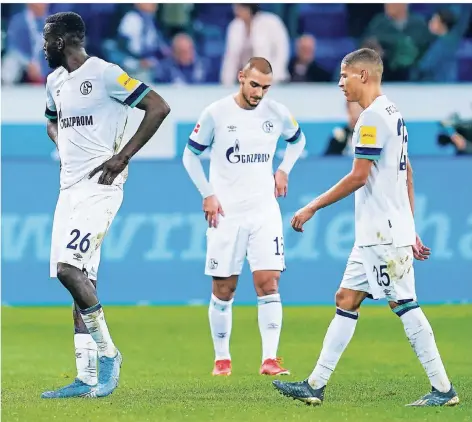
{"points": [[258, 237], [382, 271], [84, 213]]}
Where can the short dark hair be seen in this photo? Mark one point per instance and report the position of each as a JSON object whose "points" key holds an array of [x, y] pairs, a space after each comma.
{"points": [[67, 23], [364, 55], [259, 63], [447, 17]]}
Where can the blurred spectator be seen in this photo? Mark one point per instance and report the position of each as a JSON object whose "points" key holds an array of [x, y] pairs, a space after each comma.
{"points": [[359, 14], [457, 132], [340, 142], [288, 12], [440, 62], [389, 74], [24, 55], [404, 37], [302, 66], [140, 42], [175, 18], [184, 67], [255, 33]]}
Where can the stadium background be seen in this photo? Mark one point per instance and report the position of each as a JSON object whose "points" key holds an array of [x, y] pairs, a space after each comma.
{"points": [[155, 250]]}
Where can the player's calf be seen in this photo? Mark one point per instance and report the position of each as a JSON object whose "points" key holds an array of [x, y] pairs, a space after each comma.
{"points": [[85, 348], [421, 337], [269, 304], [220, 316]]}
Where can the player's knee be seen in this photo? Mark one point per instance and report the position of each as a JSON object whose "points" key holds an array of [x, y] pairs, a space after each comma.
{"points": [[65, 272], [267, 283], [223, 288], [347, 301]]}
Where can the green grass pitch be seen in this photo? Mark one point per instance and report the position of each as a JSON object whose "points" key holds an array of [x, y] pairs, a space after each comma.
{"points": [[168, 358]]}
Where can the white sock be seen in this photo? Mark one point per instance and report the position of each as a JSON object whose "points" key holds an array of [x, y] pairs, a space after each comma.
{"points": [[270, 324], [94, 319], [338, 336], [421, 337], [221, 321], [86, 358]]}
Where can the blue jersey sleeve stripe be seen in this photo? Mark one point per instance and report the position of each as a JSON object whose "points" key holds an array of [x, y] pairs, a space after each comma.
{"points": [[50, 114], [197, 146], [137, 95], [368, 157], [295, 137], [368, 151], [194, 150]]}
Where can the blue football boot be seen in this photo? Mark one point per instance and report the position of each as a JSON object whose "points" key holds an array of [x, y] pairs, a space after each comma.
{"points": [[109, 374], [436, 398], [76, 389], [300, 391]]}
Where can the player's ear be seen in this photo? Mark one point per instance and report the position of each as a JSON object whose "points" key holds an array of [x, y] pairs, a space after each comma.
{"points": [[364, 76], [60, 43], [241, 77]]}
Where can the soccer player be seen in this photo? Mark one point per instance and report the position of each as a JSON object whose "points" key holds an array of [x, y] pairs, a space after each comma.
{"points": [[381, 262], [240, 205], [87, 101]]}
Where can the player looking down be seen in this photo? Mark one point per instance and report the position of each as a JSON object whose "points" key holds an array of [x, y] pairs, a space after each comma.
{"points": [[381, 261], [240, 204]]}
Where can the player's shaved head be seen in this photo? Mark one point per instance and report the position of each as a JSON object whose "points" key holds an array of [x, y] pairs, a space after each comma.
{"points": [[260, 64], [255, 80], [366, 58]]}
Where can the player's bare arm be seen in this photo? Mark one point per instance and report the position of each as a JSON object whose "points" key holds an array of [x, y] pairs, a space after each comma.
{"points": [[155, 111], [52, 130], [347, 185], [420, 251]]}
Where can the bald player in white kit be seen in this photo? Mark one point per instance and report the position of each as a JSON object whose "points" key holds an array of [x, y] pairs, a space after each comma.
{"points": [[240, 204], [87, 103], [381, 262]]}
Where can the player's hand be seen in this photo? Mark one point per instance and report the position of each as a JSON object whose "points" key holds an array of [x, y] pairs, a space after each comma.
{"points": [[281, 183], [110, 169], [420, 251], [301, 217], [211, 208]]}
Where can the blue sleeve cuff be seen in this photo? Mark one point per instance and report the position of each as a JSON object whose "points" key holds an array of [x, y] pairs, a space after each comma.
{"points": [[137, 95], [295, 138], [195, 147]]}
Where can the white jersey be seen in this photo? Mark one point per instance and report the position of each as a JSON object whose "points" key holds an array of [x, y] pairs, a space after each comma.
{"points": [[383, 213], [243, 144], [90, 105]]}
